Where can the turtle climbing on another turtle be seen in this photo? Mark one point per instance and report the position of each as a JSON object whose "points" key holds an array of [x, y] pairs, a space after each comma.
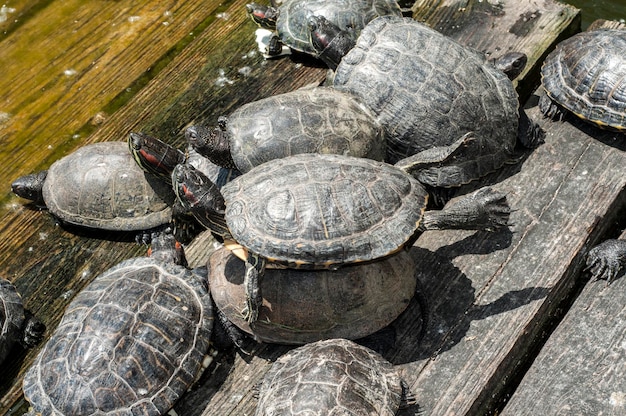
{"points": [[586, 75], [332, 377], [302, 306], [288, 22], [307, 120], [130, 343], [323, 211], [99, 186], [17, 325], [427, 91]]}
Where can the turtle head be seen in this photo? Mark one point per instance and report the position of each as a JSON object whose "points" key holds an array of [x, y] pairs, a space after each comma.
{"points": [[200, 197], [165, 248], [512, 64], [330, 42], [212, 143], [153, 155], [263, 16], [30, 186]]}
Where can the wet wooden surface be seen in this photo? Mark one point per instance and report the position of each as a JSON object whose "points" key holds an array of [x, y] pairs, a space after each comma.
{"points": [[103, 69]]}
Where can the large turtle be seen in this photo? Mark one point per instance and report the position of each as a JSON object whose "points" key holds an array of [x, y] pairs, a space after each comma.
{"points": [[17, 325], [289, 20], [331, 377], [302, 306], [100, 186], [586, 75], [307, 120], [427, 91], [321, 211], [130, 343]]}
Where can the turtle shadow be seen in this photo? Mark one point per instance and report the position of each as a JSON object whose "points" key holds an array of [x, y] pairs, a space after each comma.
{"points": [[452, 308]]}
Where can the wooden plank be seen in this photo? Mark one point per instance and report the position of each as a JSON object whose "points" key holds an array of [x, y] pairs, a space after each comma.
{"points": [[217, 71], [580, 369], [495, 294]]}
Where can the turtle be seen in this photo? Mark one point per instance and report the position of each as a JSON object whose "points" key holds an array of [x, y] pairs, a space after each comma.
{"points": [[131, 342], [17, 324], [288, 21], [332, 377], [302, 306], [307, 120], [324, 211], [607, 260], [427, 91], [99, 186], [586, 75]]}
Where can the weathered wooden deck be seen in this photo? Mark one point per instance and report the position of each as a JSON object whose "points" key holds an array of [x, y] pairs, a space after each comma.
{"points": [[79, 72]]}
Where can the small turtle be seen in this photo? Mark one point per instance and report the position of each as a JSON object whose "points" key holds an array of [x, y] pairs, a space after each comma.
{"points": [[319, 211], [308, 120], [289, 20], [586, 75], [17, 325], [427, 91], [130, 343], [607, 260], [100, 186], [332, 377], [302, 306]]}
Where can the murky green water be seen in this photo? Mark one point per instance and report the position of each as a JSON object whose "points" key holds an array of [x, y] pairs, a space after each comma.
{"points": [[600, 9]]}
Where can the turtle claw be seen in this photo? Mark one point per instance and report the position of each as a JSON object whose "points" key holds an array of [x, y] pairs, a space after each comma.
{"points": [[606, 260]]}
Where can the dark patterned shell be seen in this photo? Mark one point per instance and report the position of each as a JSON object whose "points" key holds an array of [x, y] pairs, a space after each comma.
{"points": [[130, 343], [101, 186], [321, 211], [333, 377], [11, 317], [586, 74], [309, 120], [427, 91], [292, 25], [302, 306]]}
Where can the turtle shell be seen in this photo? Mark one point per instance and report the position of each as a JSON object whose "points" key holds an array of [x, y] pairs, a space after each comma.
{"points": [[308, 120], [130, 343], [332, 377], [11, 317], [293, 30], [428, 91], [101, 186], [321, 211], [352, 302], [586, 74]]}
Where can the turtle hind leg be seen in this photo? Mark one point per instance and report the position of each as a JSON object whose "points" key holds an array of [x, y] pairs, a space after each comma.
{"points": [[255, 267], [484, 209], [607, 260]]}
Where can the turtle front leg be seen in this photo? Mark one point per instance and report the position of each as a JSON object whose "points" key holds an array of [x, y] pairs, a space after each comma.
{"points": [[550, 109], [606, 260], [255, 266], [484, 209]]}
